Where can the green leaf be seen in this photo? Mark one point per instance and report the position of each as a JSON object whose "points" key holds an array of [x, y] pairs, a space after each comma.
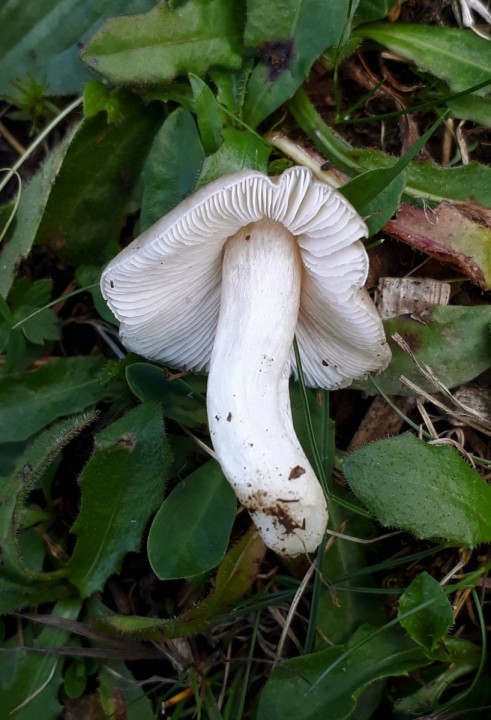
{"points": [[102, 162], [25, 292], [209, 115], [31, 465], [119, 691], [166, 178], [7, 212], [429, 625], [157, 46], [30, 681], [342, 607], [32, 204], [30, 401], [241, 149], [17, 593], [121, 485], [38, 328], [178, 399], [467, 183], [5, 311], [322, 685], [237, 570], [339, 613], [472, 107], [42, 40], [288, 41], [454, 341], [426, 490], [460, 57], [232, 87], [75, 679], [381, 208], [190, 533], [379, 191]]}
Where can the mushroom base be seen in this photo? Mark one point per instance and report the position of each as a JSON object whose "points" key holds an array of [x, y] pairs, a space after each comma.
{"points": [[248, 397]]}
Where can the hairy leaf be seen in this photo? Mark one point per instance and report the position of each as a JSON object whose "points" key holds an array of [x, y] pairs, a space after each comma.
{"points": [[157, 46], [427, 490], [37, 457], [102, 163], [121, 485]]}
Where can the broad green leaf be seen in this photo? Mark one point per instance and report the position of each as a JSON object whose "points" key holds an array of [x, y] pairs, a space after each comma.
{"points": [[121, 486], [453, 341], [88, 201], [34, 197], [235, 575], [427, 490], [179, 401], [190, 533], [473, 108], [466, 183], [41, 40], [460, 57], [306, 688], [288, 41], [241, 150], [429, 625], [29, 681], [166, 178], [30, 401], [37, 457], [157, 46]]}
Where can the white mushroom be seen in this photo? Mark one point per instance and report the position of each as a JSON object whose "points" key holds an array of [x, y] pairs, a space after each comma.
{"points": [[222, 283]]}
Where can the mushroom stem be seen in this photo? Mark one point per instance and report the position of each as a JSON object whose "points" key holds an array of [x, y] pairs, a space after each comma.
{"points": [[248, 398]]}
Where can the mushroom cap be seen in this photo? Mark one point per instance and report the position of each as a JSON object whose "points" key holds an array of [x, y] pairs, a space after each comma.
{"points": [[165, 286]]}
